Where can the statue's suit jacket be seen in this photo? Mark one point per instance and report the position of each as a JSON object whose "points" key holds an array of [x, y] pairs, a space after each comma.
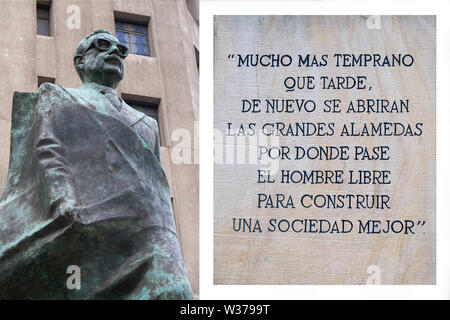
{"points": [[74, 144]]}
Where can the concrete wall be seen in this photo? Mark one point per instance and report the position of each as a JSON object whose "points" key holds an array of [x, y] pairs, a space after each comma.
{"points": [[170, 76]]}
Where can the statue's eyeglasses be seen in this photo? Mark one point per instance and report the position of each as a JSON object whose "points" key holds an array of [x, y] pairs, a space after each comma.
{"points": [[105, 45]]}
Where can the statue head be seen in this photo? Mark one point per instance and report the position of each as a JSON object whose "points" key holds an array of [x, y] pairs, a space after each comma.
{"points": [[99, 58]]}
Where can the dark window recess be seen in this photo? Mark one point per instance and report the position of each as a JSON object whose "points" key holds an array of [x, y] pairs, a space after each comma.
{"points": [[134, 36], [42, 80], [150, 109], [197, 57], [43, 20]]}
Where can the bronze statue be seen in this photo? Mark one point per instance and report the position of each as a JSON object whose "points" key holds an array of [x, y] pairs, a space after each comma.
{"points": [[85, 187]]}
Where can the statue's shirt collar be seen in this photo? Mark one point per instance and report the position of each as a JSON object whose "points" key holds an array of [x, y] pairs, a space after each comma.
{"points": [[108, 92], [98, 87]]}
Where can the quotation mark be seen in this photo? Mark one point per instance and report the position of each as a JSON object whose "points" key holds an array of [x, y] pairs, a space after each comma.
{"points": [[230, 56]]}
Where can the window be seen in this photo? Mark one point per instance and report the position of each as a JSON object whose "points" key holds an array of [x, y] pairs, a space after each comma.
{"points": [[42, 80], [43, 20], [133, 35], [148, 108]]}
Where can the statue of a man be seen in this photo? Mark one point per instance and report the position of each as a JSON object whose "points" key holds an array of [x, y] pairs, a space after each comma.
{"points": [[86, 212]]}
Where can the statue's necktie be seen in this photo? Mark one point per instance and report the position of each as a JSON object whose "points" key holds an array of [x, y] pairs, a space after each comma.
{"points": [[110, 94]]}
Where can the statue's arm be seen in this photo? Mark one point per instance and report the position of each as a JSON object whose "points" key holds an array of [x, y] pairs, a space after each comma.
{"points": [[52, 166]]}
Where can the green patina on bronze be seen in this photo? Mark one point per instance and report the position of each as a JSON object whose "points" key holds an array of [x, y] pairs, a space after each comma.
{"points": [[85, 187]]}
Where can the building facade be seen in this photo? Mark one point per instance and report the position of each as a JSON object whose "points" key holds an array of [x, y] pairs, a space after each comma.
{"points": [[37, 43]]}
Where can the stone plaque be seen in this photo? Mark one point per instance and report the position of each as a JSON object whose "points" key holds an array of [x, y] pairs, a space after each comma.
{"points": [[324, 150]]}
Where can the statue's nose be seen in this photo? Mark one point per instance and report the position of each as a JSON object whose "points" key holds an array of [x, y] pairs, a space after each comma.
{"points": [[114, 49]]}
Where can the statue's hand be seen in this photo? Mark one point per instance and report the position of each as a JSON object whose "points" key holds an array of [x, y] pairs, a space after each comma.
{"points": [[67, 209]]}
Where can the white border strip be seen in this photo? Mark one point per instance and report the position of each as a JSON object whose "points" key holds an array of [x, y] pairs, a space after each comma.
{"points": [[208, 9]]}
